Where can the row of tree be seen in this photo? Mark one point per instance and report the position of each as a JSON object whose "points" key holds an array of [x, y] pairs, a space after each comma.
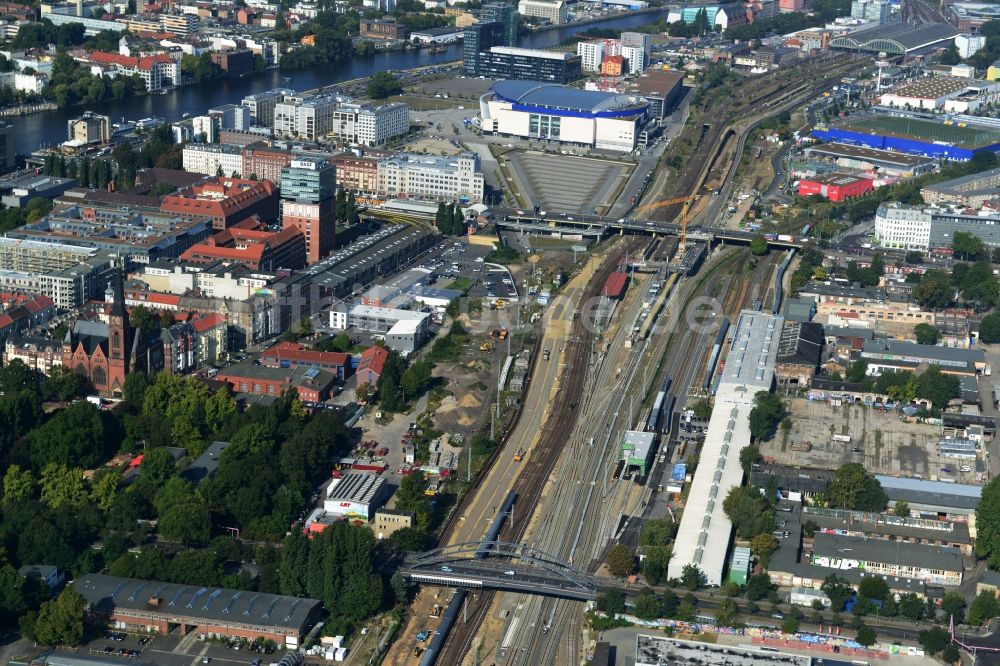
{"points": [[449, 219]]}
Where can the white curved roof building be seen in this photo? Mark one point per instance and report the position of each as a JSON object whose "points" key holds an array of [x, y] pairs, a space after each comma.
{"points": [[539, 110]]}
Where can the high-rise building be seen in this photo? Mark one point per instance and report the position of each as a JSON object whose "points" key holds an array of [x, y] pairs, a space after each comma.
{"points": [[308, 188], [476, 39], [504, 13], [507, 62], [877, 11]]}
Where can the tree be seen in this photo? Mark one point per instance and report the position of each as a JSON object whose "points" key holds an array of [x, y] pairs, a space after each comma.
{"points": [[74, 436], [790, 625], [950, 654], [935, 639], [966, 245], [911, 606], [989, 328], [874, 588], [749, 455], [749, 512], [611, 602], [767, 412], [758, 586], [763, 545], [935, 290], [60, 621], [866, 635], [938, 387], [984, 608], [647, 606], [63, 486], [620, 561], [838, 590], [951, 56], [157, 466], [914, 257], [728, 614], [853, 488], [758, 246], [691, 577], [901, 509], [18, 485], [382, 85], [953, 606], [926, 334], [655, 561]]}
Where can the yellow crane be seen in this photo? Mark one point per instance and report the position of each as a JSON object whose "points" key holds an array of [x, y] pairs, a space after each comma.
{"points": [[687, 201]]}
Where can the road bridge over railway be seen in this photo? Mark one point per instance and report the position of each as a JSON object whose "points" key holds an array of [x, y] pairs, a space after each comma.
{"points": [[498, 565]]}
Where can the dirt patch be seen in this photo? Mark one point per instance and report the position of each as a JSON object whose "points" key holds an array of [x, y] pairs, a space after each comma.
{"points": [[435, 147]]}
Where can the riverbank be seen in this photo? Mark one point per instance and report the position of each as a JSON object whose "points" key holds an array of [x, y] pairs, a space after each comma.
{"points": [[600, 19], [25, 109]]}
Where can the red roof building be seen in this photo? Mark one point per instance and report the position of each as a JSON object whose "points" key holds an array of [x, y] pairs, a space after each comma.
{"points": [[836, 186], [372, 364], [287, 354], [253, 247], [227, 201], [615, 285], [157, 71], [312, 384], [265, 162]]}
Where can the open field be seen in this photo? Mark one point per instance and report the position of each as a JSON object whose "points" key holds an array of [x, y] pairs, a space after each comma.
{"points": [[887, 443]]}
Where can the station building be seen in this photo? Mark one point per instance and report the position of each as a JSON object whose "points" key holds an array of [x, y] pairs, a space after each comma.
{"points": [[158, 607], [538, 110]]}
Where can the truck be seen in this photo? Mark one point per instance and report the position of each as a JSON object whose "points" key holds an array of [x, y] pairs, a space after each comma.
{"points": [[846, 439]]}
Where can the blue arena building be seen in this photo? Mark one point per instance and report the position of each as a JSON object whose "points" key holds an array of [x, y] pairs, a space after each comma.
{"points": [[538, 110]]}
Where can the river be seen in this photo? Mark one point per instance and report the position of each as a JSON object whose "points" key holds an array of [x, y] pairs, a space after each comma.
{"points": [[49, 127]]}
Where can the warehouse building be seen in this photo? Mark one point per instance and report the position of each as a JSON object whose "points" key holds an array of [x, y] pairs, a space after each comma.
{"points": [[935, 499], [404, 330], [356, 495], [538, 110], [749, 368], [835, 186], [210, 612], [886, 162], [636, 449], [934, 565], [898, 39]]}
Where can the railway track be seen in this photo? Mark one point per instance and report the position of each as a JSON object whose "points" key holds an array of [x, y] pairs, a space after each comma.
{"points": [[539, 464]]}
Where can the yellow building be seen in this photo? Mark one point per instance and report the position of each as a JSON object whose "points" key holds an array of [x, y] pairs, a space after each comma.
{"points": [[993, 72]]}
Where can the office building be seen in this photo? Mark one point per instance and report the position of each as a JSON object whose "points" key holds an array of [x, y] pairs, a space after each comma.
{"points": [[661, 88], [969, 44], [17, 192], [231, 116], [357, 173], [265, 162], [507, 62], [477, 38], [369, 124], [924, 228], [537, 110], [306, 118], [89, 128], [504, 13], [388, 521], [225, 201], [179, 24], [308, 188], [382, 29], [205, 128], [234, 62], [262, 105], [555, 12], [878, 12], [7, 152], [432, 177], [404, 330]]}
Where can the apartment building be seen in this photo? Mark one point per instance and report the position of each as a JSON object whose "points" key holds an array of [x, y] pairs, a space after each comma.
{"points": [[158, 71], [211, 159], [265, 162], [368, 124], [432, 177], [304, 117], [357, 173], [555, 12], [262, 105], [179, 24]]}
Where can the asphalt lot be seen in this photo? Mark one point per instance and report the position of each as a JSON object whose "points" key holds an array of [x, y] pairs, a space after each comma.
{"points": [[566, 183], [173, 650]]}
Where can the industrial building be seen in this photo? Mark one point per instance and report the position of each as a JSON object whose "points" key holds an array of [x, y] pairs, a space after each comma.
{"points": [[312, 384], [972, 190], [944, 501], [18, 191], [749, 368], [356, 495], [661, 88], [934, 565], [636, 449], [885, 162], [210, 612], [539, 110], [404, 330], [949, 359], [662, 651], [835, 186]]}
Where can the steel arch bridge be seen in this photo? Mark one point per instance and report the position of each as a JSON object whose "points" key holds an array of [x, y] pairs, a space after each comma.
{"points": [[501, 565]]}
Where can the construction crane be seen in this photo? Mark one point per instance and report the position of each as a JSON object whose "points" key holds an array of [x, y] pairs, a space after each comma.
{"points": [[687, 201]]}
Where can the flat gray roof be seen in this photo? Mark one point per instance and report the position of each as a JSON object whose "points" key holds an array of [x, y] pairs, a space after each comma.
{"points": [[945, 558], [935, 493], [661, 651], [207, 605]]}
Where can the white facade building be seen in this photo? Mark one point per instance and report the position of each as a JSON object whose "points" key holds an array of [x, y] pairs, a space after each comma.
{"points": [[591, 55], [370, 125], [903, 227], [432, 177], [232, 116], [553, 11], [969, 44], [207, 126], [209, 159], [635, 47], [262, 105]]}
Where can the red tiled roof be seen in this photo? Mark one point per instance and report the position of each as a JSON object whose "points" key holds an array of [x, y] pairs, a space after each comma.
{"points": [[229, 196], [38, 303], [294, 351], [205, 252], [128, 61], [373, 359], [209, 321]]}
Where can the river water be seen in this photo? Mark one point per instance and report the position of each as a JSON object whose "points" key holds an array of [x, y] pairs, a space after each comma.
{"points": [[49, 127]]}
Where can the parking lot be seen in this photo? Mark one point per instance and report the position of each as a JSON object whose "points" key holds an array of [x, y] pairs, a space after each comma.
{"points": [[568, 183], [457, 266], [884, 442], [175, 650]]}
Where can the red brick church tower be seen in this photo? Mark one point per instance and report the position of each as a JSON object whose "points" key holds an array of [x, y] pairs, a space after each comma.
{"points": [[120, 337]]}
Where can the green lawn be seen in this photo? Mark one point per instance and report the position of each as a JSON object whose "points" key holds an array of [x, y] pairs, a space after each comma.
{"points": [[462, 284], [926, 129]]}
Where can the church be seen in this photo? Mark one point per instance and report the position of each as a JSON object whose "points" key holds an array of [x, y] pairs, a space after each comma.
{"points": [[106, 353]]}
